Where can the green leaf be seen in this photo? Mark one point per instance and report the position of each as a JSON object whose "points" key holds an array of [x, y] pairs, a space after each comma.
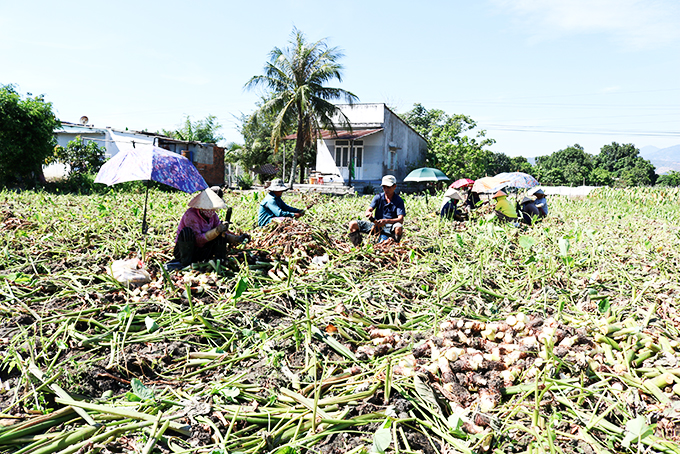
{"points": [[526, 242], [334, 344], [455, 423], [382, 438], [286, 450], [603, 305], [564, 247], [151, 324], [459, 240], [241, 287], [426, 393], [140, 390], [132, 397], [636, 430]]}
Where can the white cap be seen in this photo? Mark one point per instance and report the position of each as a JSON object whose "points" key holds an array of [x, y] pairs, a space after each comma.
{"points": [[388, 180]]}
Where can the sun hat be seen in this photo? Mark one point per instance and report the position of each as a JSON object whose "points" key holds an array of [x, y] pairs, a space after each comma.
{"points": [[217, 190], [453, 193], [207, 200], [277, 185], [535, 190], [499, 194], [527, 200], [388, 180]]}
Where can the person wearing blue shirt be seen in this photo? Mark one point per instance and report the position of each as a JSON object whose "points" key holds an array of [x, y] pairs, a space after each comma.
{"points": [[385, 215], [541, 202], [273, 207]]}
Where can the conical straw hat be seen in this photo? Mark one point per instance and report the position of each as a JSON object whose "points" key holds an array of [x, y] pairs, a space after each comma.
{"points": [[207, 200]]}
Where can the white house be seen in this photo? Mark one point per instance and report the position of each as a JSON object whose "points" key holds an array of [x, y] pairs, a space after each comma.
{"points": [[378, 144], [208, 158]]}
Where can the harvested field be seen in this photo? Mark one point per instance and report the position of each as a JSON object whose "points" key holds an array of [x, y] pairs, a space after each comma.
{"points": [[465, 337]]}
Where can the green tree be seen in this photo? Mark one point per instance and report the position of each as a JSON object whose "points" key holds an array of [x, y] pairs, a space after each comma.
{"points": [[295, 77], [625, 165], [521, 164], [499, 163], [571, 166], [671, 178], [206, 130], [450, 148], [600, 177], [26, 135], [81, 156]]}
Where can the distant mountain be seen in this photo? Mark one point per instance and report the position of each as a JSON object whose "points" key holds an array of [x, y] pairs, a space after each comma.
{"points": [[664, 159]]}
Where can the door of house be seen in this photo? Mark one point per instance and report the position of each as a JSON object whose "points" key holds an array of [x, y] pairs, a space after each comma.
{"points": [[347, 152]]}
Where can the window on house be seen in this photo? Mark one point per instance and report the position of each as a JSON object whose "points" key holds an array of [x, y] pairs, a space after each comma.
{"points": [[358, 153], [341, 153]]}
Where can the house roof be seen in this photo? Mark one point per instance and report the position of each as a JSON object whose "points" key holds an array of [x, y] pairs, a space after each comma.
{"points": [[342, 135], [78, 129]]}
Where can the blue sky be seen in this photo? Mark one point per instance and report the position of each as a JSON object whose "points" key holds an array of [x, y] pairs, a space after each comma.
{"points": [[537, 75]]}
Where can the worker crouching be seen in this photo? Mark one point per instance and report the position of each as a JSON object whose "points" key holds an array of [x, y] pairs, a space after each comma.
{"points": [[201, 236]]}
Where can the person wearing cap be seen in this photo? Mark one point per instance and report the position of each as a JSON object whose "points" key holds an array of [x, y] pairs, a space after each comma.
{"points": [[273, 207], [505, 211], [528, 210], [385, 214], [200, 234], [541, 202]]}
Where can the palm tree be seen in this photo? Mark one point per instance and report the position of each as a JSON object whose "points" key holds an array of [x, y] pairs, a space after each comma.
{"points": [[295, 77]]}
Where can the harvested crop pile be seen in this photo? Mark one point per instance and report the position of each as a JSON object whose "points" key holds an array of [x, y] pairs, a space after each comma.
{"points": [[293, 238], [296, 241]]}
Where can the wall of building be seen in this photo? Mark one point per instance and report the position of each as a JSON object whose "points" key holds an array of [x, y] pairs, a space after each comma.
{"points": [[411, 148], [364, 115], [213, 173]]}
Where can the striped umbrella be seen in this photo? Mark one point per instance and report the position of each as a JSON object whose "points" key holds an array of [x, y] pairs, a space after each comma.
{"points": [[519, 180]]}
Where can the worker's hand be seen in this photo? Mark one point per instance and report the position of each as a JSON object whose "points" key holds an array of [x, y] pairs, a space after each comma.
{"points": [[380, 223], [243, 238], [368, 214], [297, 215], [221, 228]]}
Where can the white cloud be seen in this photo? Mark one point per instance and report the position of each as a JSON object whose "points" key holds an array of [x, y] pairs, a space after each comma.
{"points": [[633, 23]]}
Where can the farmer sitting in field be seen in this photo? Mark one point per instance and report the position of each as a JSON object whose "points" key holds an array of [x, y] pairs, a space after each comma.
{"points": [[528, 210], [273, 207], [541, 202], [449, 207], [505, 211], [388, 218], [200, 235]]}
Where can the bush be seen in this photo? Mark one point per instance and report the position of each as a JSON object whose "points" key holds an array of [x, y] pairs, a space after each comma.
{"points": [[244, 181], [26, 136], [81, 156], [368, 190]]}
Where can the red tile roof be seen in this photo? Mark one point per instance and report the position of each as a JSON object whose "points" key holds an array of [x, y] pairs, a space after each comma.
{"points": [[341, 134]]}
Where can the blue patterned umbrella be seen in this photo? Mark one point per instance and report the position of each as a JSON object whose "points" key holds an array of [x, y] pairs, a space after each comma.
{"points": [[515, 180], [151, 163]]}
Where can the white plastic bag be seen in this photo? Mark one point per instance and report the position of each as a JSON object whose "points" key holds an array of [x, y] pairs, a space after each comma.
{"points": [[130, 272]]}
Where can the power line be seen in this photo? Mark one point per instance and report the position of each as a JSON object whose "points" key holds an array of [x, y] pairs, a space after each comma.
{"points": [[593, 132]]}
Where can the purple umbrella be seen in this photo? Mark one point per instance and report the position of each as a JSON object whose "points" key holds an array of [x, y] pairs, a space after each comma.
{"points": [[151, 163]]}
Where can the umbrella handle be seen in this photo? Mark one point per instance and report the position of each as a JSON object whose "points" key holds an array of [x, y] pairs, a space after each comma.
{"points": [[145, 227]]}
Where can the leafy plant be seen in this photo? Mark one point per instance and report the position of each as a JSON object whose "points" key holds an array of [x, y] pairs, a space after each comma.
{"points": [[80, 155], [245, 181]]}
